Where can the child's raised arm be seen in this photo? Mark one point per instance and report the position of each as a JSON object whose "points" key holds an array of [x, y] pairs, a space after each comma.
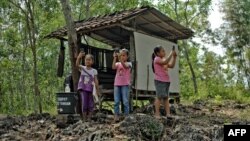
{"points": [[126, 64], [79, 57], [172, 64], [114, 60], [165, 62]]}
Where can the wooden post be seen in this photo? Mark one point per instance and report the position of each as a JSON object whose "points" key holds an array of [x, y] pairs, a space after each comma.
{"points": [[147, 77], [136, 90], [61, 59], [133, 59]]}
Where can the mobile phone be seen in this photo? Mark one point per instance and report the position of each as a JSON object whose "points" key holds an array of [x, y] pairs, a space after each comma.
{"points": [[116, 50], [81, 49], [173, 48]]}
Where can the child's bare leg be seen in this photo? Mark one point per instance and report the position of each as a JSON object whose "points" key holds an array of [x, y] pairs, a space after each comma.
{"points": [[157, 107], [89, 116], [84, 116], [166, 105]]}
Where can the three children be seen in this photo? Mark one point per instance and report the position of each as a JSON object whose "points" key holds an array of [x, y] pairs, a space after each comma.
{"points": [[88, 78]]}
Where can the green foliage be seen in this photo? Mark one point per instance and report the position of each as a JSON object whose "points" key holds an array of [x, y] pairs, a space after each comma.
{"points": [[218, 100], [218, 77], [234, 36]]}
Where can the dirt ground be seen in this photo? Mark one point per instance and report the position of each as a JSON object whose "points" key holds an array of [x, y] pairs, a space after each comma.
{"points": [[200, 121]]}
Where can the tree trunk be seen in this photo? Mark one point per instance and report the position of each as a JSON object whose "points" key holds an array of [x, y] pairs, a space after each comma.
{"points": [[32, 39], [1, 94], [11, 104], [187, 24], [23, 93], [245, 67], [35, 75], [25, 102], [190, 67], [72, 40]]}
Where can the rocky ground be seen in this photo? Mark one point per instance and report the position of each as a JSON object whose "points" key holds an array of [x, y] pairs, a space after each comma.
{"points": [[201, 121]]}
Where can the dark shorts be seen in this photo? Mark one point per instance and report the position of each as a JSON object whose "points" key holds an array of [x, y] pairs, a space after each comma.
{"points": [[162, 89]]}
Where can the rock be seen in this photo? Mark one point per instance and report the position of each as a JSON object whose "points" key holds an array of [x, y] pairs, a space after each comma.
{"points": [[187, 124], [2, 131], [106, 112], [142, 125], [172, 109], [99, 135], [217, 133], [49, 134], [41, 121], [199, 104], [171, 121], [128, 121], [148, 109], [240, 106], [2, 116]]}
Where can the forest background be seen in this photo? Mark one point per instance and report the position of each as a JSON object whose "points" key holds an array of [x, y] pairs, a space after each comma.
{"points": [[28, 62]]}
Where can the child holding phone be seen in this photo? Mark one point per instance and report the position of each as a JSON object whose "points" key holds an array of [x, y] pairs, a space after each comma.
{"points": [[160, 66], [122, 81]]}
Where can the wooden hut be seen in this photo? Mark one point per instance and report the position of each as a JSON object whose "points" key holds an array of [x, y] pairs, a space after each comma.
{"points": [[138, 30]]}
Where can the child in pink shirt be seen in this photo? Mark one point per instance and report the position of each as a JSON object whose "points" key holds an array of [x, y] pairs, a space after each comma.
{"points": [[162, 80], [122, 82]]}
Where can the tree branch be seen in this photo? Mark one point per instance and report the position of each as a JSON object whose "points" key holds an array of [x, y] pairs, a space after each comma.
{"points": [[175, 10], [18, 6], [199, 13], [170, 5], [185, 13]]}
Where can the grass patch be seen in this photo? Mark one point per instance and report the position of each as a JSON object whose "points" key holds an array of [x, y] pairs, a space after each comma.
{"points": [[244, 114]]}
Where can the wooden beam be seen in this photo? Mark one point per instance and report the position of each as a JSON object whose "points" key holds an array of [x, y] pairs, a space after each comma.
{"points": [[106, 36], [112, 32], [168, 25], [80, 30], [104, 40], [156, 34], [157, 26], [83, 30], [149, 23], [146, 33]]}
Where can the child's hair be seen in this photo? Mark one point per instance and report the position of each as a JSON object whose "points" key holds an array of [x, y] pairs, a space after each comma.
{"points": [[154, 54], [125, 50], [90, 56]]}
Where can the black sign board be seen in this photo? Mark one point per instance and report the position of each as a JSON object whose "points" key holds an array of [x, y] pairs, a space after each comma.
{"points": [[67, 103]]}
